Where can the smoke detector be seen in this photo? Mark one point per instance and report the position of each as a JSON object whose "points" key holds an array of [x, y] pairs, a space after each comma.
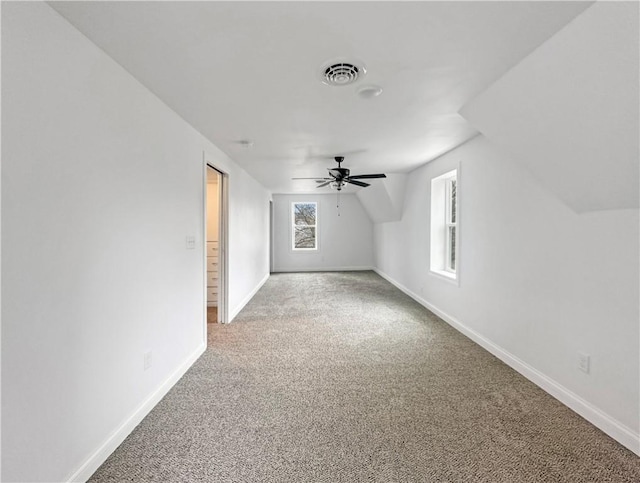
{"points": [[341, 72], [369, 92], [244, 143]]}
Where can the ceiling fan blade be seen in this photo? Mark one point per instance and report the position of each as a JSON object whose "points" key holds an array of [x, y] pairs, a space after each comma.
{"points": [[357, 183], [322, 180], [324, 184], [368, 176], [312, 178]]}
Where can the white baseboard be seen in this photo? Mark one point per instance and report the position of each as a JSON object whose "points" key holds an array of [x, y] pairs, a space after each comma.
{"points": [[322, 269], [245, 301], [611, 426], [118, 436]]}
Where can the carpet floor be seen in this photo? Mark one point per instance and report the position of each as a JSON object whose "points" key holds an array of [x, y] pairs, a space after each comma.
{"points": [[340, 377]]}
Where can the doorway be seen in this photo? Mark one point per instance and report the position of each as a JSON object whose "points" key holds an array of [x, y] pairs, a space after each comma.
{"points": [[215, 222]]}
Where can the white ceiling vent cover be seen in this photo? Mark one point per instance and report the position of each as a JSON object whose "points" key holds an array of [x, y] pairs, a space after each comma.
{"points": [[341, 73]]}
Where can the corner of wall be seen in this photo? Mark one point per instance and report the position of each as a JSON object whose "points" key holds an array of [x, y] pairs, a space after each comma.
{"points": [[100, 455], [384, 199], [236, 310], [605, 422]]}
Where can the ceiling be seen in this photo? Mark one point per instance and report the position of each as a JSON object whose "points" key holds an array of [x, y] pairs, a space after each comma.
{"points": [[251, 71]]}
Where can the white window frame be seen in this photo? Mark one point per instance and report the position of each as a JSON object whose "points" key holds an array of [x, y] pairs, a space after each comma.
{"points": [[293, 226], [441, 242]]}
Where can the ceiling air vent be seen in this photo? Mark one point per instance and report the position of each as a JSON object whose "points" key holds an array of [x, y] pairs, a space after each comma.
{"points": [[341, 74]]}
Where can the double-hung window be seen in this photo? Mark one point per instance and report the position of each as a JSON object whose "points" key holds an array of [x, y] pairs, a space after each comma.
{"points": [[304, 229], [450, 222], [445, 215]]}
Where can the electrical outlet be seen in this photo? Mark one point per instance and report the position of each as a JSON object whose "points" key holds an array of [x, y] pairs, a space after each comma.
{"points": [[147, 360], [584, 362], [191, 242]]}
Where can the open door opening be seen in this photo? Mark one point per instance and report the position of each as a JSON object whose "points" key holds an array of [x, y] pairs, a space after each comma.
{"points": [[216, 285]]}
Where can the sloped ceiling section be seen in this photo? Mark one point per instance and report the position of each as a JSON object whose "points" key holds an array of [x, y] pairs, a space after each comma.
{"points": [[384, 199], [569, 111]]}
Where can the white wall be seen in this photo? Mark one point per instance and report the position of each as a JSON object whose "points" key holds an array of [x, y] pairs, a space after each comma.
{"points": [[345, 242], [383, 200], [537, 281], [248, 238], [101, 183]]}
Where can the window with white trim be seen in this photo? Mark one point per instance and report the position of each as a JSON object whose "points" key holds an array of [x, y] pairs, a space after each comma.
{"points": [[444, 224], [304, 225], [450, 222]]}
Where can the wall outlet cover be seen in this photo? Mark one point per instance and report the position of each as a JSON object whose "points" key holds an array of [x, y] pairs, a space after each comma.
{"points": [[584, 362], [147, 360]]}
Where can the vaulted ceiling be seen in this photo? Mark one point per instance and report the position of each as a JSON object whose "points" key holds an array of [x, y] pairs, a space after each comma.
{"points": [[568, 113], [250, 71]]}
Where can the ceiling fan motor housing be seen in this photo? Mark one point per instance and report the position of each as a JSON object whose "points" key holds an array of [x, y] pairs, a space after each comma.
{"points": [[339, 173]]}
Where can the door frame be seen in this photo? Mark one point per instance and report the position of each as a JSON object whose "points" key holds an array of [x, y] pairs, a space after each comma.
{"points": [[223, 242], [270, 236]]}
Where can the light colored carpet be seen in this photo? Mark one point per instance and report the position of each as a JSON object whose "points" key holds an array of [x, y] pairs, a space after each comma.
{"points": [[339, 377]]}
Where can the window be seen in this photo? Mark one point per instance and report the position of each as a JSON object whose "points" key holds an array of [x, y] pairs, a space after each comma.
{"points": [[444, 225], [450, 221], [304, 226]]}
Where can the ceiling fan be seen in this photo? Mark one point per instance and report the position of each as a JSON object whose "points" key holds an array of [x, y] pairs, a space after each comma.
{"points": [[340, 176]]}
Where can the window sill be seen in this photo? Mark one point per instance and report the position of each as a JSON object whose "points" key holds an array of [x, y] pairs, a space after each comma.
{"points": [[444, 275]]}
